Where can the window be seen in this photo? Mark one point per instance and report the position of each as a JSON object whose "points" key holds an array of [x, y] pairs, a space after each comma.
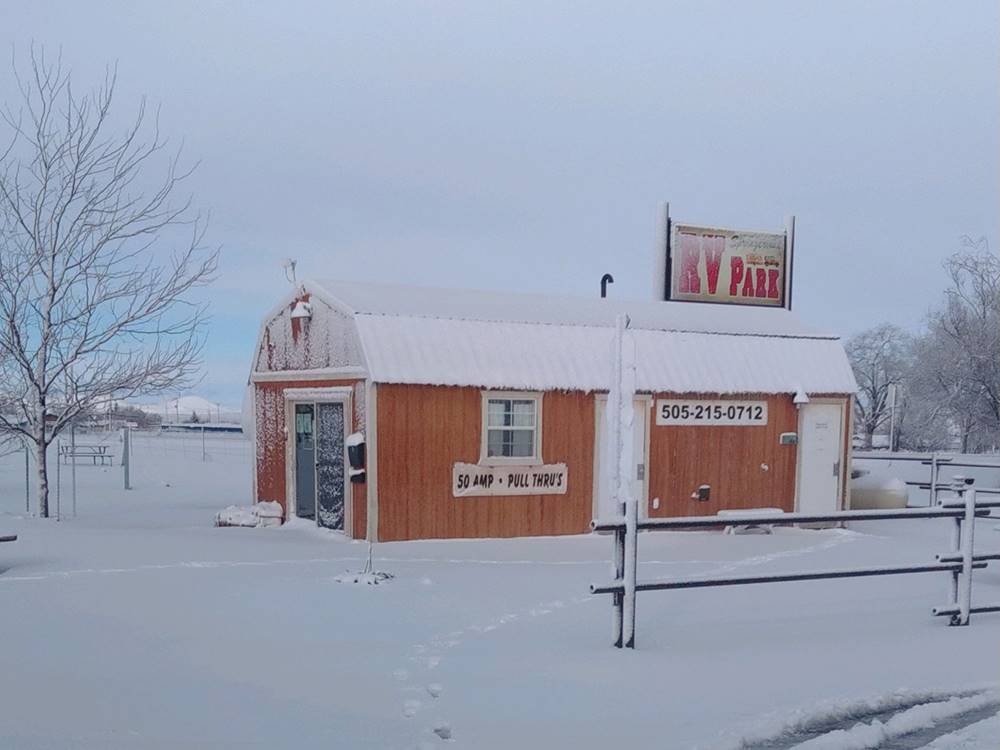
{"points": [[511, 427]]}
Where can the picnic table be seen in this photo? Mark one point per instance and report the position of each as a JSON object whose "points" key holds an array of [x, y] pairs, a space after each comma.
{"points": [[97, 452]]}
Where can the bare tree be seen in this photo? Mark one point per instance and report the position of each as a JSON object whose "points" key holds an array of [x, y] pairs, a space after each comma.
{"points": [[87, 313], [879, 359], [962, 345], [924, 420]]}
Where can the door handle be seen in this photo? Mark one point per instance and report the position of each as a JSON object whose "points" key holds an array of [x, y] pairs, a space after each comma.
{"points": [[836, 468], [640, 472]]}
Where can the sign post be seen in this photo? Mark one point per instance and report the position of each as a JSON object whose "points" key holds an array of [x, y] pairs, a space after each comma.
{"points": [[789, 259]]}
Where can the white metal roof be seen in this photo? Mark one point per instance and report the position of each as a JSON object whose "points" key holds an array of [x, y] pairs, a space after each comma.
{"points": [[468, 304], [429, 336]]}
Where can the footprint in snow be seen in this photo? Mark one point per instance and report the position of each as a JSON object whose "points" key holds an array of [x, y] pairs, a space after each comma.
{"points": [[443, 730], [411, 707], [434, 689]]}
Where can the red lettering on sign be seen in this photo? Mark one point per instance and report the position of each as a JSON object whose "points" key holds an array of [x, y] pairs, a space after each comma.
{"points": [[761, 283], [714, 247], [690, 255], [772, 283], [747, 290], [735, 275]]}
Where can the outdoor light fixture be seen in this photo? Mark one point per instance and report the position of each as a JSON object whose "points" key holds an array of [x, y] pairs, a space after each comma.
{"points": [[302, 310], [801, 398]]}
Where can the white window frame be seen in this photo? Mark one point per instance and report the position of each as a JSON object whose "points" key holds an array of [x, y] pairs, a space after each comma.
{"points": [[532, 460]]}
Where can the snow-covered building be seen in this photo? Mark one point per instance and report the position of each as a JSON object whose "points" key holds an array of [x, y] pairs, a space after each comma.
{"points": [[399, 412]]}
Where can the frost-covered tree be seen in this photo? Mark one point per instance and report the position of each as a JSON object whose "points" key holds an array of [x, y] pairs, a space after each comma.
{"points": [[961, 351], [879, 357], [98, 258]]}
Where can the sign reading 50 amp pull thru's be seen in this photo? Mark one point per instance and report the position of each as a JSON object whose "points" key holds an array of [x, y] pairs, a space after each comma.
{"points": [[714, 412], [708, 264], [468, 480]]}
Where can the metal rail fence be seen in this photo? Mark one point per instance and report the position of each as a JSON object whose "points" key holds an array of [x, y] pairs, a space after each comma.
{"points": [[959, 563], [935, 462]]}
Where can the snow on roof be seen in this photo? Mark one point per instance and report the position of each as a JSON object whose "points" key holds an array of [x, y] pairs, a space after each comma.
{"points": [[430, 336], [468, 304]]}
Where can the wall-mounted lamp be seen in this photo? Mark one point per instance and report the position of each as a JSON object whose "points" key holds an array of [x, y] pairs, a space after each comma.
{"points": [[801, 399], [302, 310]]}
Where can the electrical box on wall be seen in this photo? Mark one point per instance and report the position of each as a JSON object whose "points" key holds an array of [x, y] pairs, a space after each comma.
{"points": [[356, 457], [356, 450], [788, 438], [703, 493]]}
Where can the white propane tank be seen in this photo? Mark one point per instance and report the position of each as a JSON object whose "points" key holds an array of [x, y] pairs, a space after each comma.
{"points": [[877, 493]]}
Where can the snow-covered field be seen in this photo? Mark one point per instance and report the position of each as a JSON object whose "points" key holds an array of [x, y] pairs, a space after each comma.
{"points": [[137, 624]]}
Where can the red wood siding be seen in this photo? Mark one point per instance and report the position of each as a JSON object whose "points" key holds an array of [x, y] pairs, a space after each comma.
{"points": [[728, 459], [424, 430], [271, 441]]}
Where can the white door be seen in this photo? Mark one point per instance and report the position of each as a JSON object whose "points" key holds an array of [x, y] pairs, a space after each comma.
{"points": [[820, 450], [640, 427]]}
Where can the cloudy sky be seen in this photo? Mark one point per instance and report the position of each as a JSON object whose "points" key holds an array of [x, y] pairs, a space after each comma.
{"points": [[525, 146]]}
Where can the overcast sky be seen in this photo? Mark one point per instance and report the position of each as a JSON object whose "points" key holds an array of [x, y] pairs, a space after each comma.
{"points": [[526, 146]]}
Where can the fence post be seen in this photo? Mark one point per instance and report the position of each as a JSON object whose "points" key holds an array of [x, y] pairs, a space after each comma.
{"points": [[203, 443], [965, 592], [956, 546], [618, 597], [58, 475], [27, 481], [72, 471], [932, 498], [126, 455], [628, 600]]}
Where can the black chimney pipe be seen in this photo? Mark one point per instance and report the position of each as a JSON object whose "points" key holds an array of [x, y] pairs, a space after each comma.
{"points": [[605, 280]]}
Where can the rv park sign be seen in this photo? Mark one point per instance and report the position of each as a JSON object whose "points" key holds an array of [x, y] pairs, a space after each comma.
{"points": [[710, 264]]}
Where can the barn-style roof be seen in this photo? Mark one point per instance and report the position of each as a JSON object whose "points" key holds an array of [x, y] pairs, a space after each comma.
{"points": [[422, 335]]}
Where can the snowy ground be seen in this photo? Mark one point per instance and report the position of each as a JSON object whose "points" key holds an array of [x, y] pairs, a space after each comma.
{"points": [[139, 625]]}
